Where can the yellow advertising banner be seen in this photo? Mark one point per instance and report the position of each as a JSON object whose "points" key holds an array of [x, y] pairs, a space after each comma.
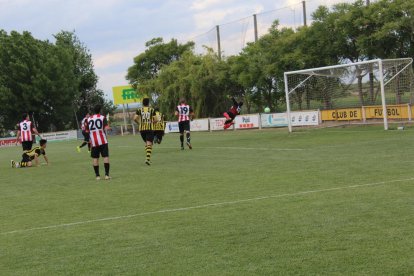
{"points": [[125, 95], [393, 112], [344, 114]]}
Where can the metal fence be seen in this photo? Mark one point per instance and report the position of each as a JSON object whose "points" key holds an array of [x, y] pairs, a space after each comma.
{"points": [[230, 38]]}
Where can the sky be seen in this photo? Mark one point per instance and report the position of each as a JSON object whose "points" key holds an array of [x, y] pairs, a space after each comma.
{"points": [[115, 31]]}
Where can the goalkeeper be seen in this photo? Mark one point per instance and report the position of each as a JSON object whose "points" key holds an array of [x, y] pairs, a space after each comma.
{"points": [[232, 113]]}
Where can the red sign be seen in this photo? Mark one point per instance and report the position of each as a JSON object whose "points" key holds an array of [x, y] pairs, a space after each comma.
{"points": [[7, 142]]}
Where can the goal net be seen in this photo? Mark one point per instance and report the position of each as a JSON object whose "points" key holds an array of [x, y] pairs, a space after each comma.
{"points": [[356, 93]]}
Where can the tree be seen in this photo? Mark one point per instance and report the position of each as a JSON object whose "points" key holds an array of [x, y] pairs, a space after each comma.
{"points": [[47, 80], [147, 65]]}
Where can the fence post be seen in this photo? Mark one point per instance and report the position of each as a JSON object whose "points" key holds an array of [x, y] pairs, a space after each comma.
{"points": [[218, 42]]}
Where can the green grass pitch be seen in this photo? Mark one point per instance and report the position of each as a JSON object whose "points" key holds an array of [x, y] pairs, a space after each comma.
{"points": [[329, 202]]}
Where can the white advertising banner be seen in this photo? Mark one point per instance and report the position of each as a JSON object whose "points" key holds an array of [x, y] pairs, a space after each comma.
{"points": [[199, 125], [59, 136], [246, 121], [274, 119], [171, 127], [218, 124], [304, 118]]}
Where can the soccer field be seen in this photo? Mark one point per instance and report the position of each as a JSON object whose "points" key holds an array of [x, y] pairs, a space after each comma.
{"points": [[330, 201]]}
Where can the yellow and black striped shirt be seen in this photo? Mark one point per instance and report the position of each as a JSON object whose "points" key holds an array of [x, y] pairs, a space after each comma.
{"points": [[160, 123], [145, 119], [37, 150]]}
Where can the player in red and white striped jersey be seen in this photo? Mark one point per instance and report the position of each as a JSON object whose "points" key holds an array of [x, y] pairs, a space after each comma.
{"points": [[25, 131], [184, 112], [97, 124]]}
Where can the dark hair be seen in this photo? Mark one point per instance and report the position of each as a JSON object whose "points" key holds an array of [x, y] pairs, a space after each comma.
{"points": [[145, 101], [241, 103], [182, 100], [42, 142], [97, 109], [25, 116], [156, 109]]}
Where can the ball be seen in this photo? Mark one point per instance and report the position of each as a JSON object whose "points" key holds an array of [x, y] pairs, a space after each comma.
{"points": [[267, 110]]}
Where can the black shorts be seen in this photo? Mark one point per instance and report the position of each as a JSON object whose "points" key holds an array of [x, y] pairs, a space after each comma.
{"points": [[184, 126], [85, 136], [159, 134], [102, 150], [147, 135], [27, 145], [231, 115], [25, 158]]}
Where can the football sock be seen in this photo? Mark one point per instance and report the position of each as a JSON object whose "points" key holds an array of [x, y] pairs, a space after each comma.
{"points": [[83, 144], [22, 164], [148, 150], [106, 165], [96, 169], [188, 137], [182, 139]]}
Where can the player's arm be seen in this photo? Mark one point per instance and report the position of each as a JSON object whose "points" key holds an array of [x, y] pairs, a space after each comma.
{"points": [[191, 113], [105, 124], [176, 111], [36, 159], [17, 136], [46, 159], [34, 130], [235, 103], [154, 116], [137, 117]]}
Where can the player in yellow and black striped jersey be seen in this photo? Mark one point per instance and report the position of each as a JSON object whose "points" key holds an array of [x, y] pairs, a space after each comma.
{"points": [[145, 118], [30, 155], [159, 126]]}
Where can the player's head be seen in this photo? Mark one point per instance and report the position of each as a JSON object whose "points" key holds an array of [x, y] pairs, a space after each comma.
{"points": [[97, 109], [145, 101], [87, 115], [43, 143], [156, 109], [240, 103], [25, 116], [182, 101]]}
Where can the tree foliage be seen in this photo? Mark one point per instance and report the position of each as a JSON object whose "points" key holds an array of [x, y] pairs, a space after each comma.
{"points": [[52, 82]]}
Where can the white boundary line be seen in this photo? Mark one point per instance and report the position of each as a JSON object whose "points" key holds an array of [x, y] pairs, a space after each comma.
{"points": [[202, 206], [230, 148]]}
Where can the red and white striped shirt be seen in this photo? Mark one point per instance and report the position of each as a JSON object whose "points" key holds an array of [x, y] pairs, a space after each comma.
{"points": [[96, 126], [25, 130], [83, 124], [184, 111]]}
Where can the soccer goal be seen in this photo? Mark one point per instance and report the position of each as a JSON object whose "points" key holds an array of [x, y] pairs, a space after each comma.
{"points": [[374, 91]]}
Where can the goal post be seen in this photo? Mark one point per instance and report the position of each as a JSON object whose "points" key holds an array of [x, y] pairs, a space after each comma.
{"points": [[361, 92]]}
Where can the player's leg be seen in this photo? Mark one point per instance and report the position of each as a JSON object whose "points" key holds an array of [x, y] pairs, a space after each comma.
{"points": [[226, 115], [27, 145], [105, 155], [85, 139], [187, 134], [25, 162], [181, 129], [229, 120], [155, 137], [88, 140], [159, 136], [95, 161], [148, 147]]}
